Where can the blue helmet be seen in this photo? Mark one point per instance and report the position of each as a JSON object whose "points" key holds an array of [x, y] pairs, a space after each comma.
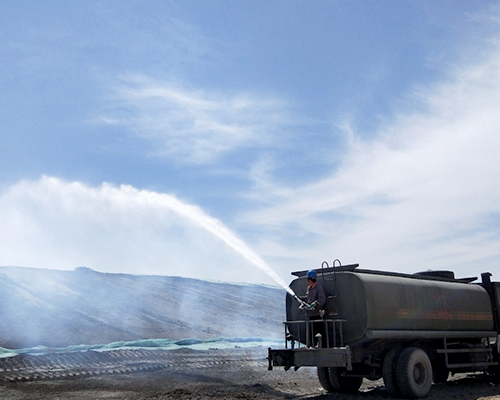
{"points": [[311, 274]]}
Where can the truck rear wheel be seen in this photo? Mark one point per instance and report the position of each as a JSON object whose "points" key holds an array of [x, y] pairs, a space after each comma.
{"points": [[390, 371], [344, 384], [414, 373], [324, 379]]}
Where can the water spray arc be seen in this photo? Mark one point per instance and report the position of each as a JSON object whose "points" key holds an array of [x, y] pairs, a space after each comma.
{"points": [[218, 229]]}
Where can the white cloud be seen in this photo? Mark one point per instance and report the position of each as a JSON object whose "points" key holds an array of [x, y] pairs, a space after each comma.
{"points": [[194, 127], [55, 224], [422, 193]]}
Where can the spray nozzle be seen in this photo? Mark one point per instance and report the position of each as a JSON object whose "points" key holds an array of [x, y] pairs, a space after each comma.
{"points": [[302, 303]]}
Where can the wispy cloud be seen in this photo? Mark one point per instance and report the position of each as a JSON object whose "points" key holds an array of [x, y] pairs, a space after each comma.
{"points": [[194, 126], [56, 224], [421, 193]]}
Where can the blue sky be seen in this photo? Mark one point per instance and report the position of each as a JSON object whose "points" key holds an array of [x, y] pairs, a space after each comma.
{"points": [[312, 130]]}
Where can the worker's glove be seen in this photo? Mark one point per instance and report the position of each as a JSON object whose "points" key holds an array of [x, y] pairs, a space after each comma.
{"points": [[312, 306]]}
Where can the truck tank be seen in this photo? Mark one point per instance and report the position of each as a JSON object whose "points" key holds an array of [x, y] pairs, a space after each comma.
{"points": [[384, 305]]}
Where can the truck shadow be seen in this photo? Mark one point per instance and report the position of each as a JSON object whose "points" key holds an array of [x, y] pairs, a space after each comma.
{"points": [[472, 387]]}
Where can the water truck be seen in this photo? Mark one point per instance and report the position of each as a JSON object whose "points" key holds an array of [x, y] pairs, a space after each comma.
{"points": [[409, 329]]}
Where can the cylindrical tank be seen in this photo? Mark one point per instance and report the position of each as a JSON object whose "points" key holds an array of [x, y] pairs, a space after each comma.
{"points": [[371, 302]]}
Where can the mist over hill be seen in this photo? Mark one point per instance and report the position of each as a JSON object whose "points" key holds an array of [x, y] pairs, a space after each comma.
{"points": [[61, 308]]}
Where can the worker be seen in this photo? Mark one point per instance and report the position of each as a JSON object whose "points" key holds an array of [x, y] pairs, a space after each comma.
{"points": [[316, 299], [315, 294]]}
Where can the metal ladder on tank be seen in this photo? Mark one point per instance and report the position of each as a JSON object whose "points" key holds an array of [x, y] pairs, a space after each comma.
{"points": [[333, 306]]}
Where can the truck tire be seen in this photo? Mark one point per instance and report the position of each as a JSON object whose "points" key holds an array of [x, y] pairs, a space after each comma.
{"points": [[324, 379], [389, 372], [414, 373], [344, 384]]}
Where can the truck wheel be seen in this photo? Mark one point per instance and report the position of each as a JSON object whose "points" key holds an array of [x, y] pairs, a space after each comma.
{"points": [[389, 372], [344, 384], [414, 373], [324, 379]]}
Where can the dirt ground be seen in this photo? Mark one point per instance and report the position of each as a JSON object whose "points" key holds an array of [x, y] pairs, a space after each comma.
{"points": [[185, 374]]}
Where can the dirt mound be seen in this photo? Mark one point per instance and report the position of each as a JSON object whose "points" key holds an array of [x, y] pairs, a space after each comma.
{"points": [[63, 308]]}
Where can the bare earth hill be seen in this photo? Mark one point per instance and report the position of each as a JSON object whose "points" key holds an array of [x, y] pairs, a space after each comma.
{"points": [[61, 308]]}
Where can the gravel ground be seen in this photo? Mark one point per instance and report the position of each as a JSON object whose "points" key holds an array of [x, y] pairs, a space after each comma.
{"points": [[186, 374]]}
